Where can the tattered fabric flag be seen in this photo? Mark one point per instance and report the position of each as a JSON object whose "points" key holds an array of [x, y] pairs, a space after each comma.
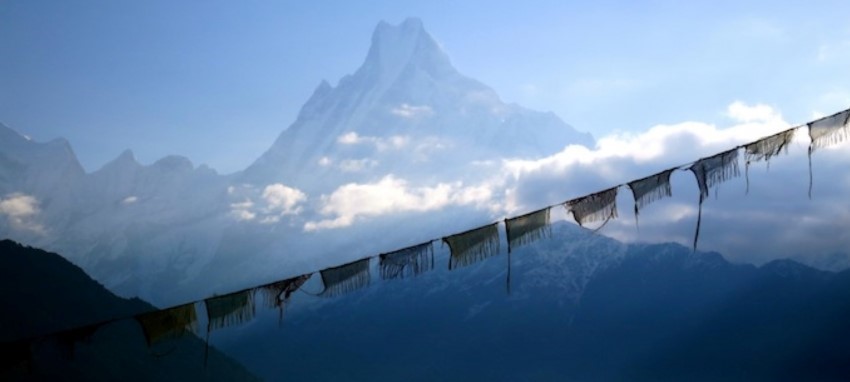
{"points": [[591, 208], [825, 132], [345, 278], [67, 340], [526, 229], [472, 246], [411, 261], [649, 189], [710, 172], [829, 130], [277, 294], [766, 148], [168, 323], [230, 309]]}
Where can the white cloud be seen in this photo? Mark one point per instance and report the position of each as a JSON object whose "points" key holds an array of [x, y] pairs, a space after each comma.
{"points": [[19, 205], [392, 195], [742, 112], [268, 205], [241, 211], [130, 200], [410, 112], [349, 138], [325, 161], [20, 210], [243, 215], [672, 144], [357, 165], [394, 142], [283, 199]]}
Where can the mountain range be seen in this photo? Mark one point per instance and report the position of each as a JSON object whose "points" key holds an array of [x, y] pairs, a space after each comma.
{"points": [[405, 119], [581, 307]]}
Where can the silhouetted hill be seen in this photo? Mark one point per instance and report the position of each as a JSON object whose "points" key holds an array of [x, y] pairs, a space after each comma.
{"points": [[42, 284], [42, 293]]}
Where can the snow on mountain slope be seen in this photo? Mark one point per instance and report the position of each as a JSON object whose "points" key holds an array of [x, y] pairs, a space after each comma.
{"points": [[405, 111]]}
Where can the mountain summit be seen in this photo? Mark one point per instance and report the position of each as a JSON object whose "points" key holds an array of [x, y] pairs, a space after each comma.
{"points": [[405, 47], [405, 111]]}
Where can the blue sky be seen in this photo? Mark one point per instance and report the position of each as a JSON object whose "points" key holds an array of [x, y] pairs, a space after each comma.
{"points": [[217, 81]]}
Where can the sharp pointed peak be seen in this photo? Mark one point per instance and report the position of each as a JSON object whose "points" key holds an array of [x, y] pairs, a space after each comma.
{"points": [[396, 46], [410, 25], [122, 162], [323, 87]]}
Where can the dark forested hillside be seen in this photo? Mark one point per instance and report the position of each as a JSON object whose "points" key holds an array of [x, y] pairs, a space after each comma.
{"points": [[42, 293]]}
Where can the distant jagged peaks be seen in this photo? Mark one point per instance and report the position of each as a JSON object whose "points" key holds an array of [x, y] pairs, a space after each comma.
{"points": [[124, 162], [174, 163]]}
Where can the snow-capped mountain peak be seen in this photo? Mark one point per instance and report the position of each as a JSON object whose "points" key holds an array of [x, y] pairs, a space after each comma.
{"points": [[405, 111], [394, 48]]}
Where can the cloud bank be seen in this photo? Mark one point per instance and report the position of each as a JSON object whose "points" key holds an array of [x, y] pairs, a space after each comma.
{"points": [[774, 220], [392, 195]]}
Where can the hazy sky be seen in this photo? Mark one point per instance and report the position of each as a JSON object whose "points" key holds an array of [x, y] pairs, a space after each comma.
{"points": [[217, 81]]}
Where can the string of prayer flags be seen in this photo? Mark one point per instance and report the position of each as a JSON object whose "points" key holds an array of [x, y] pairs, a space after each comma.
{"points": [[826, 132], [766, 148], [599, 206], [649, 189], [472, 246], [168, 323], [710, 172], [411, 261], [345, 278]]}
